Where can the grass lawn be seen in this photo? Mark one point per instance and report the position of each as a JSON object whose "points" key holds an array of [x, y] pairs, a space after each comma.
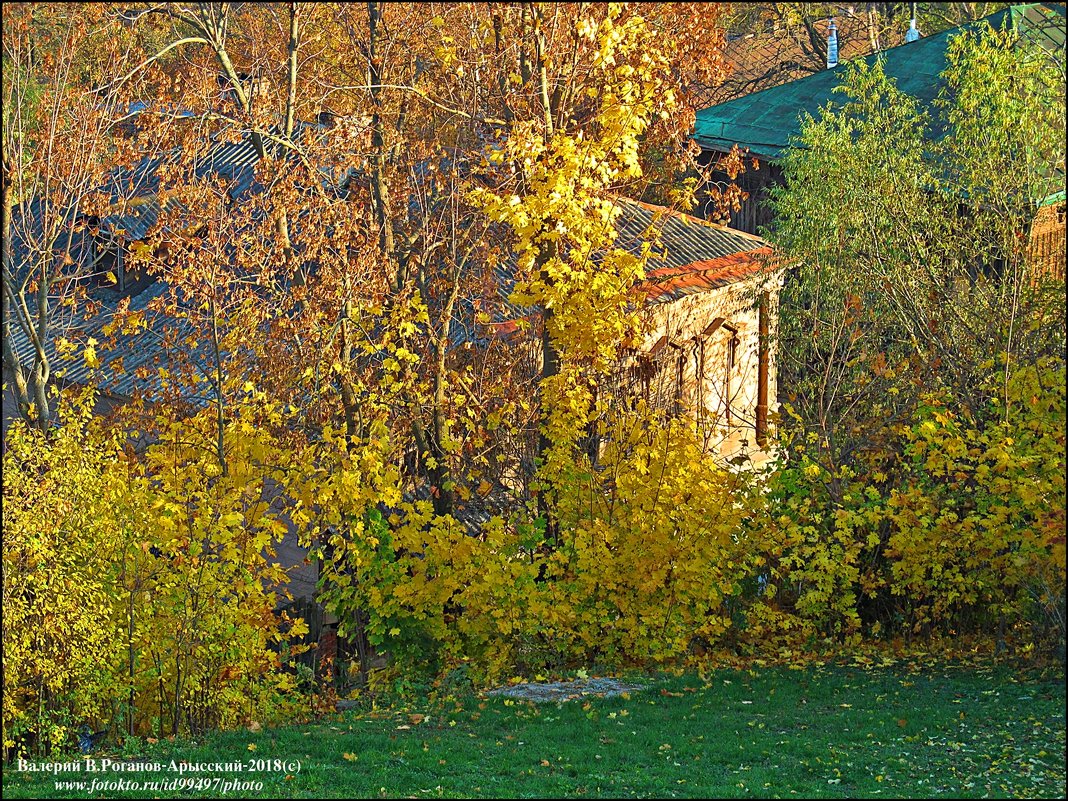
{"points": [[831, 732]]}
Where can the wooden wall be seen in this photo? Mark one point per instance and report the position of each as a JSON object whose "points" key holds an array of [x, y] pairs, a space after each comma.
{"points": [[1047, 243], [755, 215]]}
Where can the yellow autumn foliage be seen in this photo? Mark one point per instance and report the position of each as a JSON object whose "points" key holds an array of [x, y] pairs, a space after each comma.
{"points": [[962, 531], [646, 556], [138, 589], [60, 644]]}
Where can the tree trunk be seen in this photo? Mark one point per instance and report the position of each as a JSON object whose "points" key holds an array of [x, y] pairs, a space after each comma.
{"points": [[379, 180], [14, 370]]}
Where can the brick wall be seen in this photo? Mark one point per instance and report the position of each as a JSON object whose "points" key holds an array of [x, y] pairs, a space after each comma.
{"points": [[701, 357]]}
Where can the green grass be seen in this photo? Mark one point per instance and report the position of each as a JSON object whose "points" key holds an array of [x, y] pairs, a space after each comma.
{"points": [[830, 732]]}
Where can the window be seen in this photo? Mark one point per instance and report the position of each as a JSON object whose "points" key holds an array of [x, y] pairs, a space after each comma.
{"points": [[729, 365], [680, 371]]}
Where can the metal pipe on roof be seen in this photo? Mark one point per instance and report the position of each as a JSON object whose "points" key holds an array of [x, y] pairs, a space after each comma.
{"points": [[832, 45], [913, 33]]}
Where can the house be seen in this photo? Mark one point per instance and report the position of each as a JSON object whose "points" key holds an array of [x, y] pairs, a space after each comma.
{"points": [[702, 295], [710, 301], [766, 121], [710, 298]]}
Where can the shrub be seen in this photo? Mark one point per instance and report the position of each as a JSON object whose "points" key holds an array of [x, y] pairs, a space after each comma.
{"points": [[963, 533], [647, 549], [138, 589]]}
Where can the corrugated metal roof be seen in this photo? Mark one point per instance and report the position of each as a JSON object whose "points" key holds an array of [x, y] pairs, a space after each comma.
{"points": [[1056, 197], [683, 239], [693, 255], [699, 256], [766, 121], [129, 362], [135, 193]]}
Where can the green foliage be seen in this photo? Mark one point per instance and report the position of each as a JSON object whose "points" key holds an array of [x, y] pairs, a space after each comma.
{"points": [[910, 228], [922, 489]]}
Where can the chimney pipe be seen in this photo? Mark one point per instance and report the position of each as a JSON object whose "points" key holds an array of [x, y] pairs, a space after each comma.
{"points": [[832, 45], [913, 33]]}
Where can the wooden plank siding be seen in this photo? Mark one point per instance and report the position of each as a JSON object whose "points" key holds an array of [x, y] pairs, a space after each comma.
{"points": [[755, 213], [1047, 241]]}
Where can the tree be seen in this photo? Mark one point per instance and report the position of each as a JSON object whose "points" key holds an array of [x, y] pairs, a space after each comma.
{"points": [[414, 117], [914, 308], [138, 588], [354, 277], [57, 147], [913, 249]]}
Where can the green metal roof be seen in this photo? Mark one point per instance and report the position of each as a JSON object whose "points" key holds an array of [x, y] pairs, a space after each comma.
{"points": [[765, 121], [1056, 197]]}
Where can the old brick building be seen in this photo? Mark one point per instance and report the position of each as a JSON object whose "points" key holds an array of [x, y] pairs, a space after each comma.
{"points": [[711, 303]]}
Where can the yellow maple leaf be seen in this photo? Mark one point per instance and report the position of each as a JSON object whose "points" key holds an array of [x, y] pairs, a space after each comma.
{"points": [[89, 354]]}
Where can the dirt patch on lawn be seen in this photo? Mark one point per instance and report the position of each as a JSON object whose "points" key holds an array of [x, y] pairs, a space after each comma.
{"points": [[559, 691]]}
